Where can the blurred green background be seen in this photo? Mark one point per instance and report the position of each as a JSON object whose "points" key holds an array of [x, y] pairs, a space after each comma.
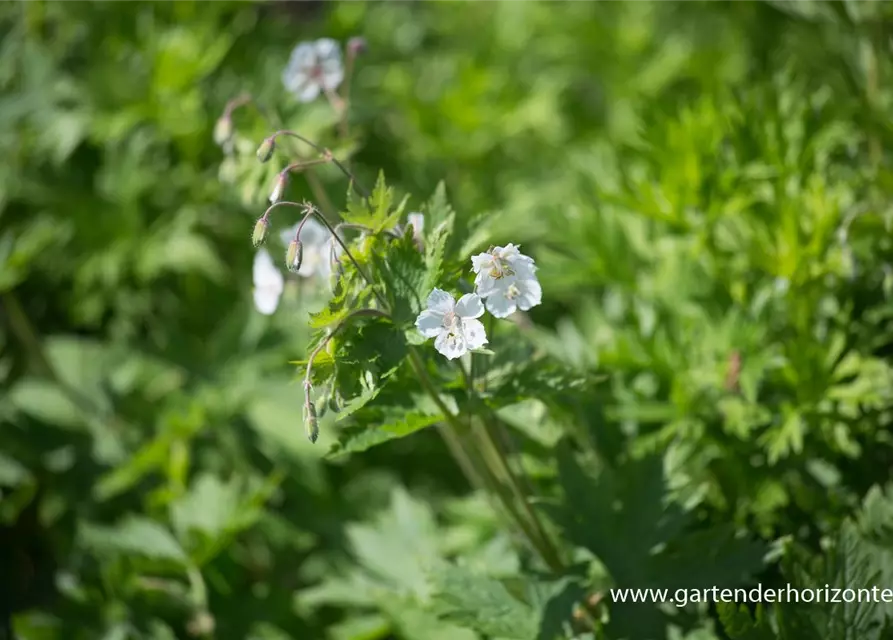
{"points": [[704, 186]]}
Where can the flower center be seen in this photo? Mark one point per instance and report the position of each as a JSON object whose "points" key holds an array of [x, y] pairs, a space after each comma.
{"points": [[450, 320], [499, 269], [512, 292]]}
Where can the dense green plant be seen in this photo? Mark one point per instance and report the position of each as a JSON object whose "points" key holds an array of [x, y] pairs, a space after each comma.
{"points": [[701, 397]]}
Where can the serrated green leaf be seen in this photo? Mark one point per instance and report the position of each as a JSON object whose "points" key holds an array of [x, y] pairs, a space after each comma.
{"points": [[740, 625], [367, 396], [437, 210], [435, 246], [482, 604], [398, 546], [134, 536], [361, 438], [403, 270]]}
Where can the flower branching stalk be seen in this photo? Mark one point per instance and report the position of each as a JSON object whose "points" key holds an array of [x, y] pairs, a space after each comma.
{"points": [[476, 444], [325, 153]]}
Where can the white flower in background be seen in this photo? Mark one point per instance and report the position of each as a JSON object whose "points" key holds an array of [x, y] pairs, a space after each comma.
{"points": [[416, 220], [506, 279], [453, 324], [313, 67], [318, 246], [268, 283]]}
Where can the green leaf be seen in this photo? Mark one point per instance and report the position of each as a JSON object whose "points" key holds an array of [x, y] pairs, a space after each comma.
{"points": [[435, 246], [328, 317], [740, 625], [135, 535], [482, 604], [399, 545], [360, 438], [12, 473], [645, 541], [438, 210], [45, 401], [404, 272]]}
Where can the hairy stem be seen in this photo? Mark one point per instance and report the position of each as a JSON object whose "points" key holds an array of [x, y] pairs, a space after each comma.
{"points": [[485, 470], [326, 153]]}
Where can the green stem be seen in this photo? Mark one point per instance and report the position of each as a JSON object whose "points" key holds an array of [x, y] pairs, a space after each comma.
{"points": [[503, 472], [326, 153], [485, 471], [319, 193], [497, 454]]}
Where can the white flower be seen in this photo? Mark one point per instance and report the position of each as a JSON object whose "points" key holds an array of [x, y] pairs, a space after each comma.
{"points": [[506, 279], [268, 283], [318, 246], [312, 68], [417, 221], [453, 324]]}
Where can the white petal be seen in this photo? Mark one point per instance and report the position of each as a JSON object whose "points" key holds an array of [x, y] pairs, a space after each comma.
{"points": [[332, 76], [328, 57], [500, 306], [485, 286], [469, 306], [475, 335], [301, 59], [295, 80], [307, 92], [523, 266], [417, 220], [429, 323], [452, 345], [265, 274], [531, 294], [441, 301], [481, 262], [266, 299], [326, 49]]}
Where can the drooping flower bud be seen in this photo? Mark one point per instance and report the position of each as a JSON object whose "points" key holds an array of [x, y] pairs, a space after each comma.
{"points": [[261, 230], [223, 130], [266, 148], [279, 188], [356, 45], [294, 256], [311, 422]]}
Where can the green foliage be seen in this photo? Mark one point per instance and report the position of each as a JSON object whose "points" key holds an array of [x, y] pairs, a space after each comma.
{"points": [[703, 398]]}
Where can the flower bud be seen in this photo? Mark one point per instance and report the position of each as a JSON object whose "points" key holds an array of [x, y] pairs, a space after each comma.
{"points": [[261, 229], [223, 130], [294, 256], [356, 45], [279, 188], [311, 423], [266, 148]]}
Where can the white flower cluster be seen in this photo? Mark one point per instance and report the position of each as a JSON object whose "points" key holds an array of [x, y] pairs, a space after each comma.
{"points": [[313, 68], [505, 279]]}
